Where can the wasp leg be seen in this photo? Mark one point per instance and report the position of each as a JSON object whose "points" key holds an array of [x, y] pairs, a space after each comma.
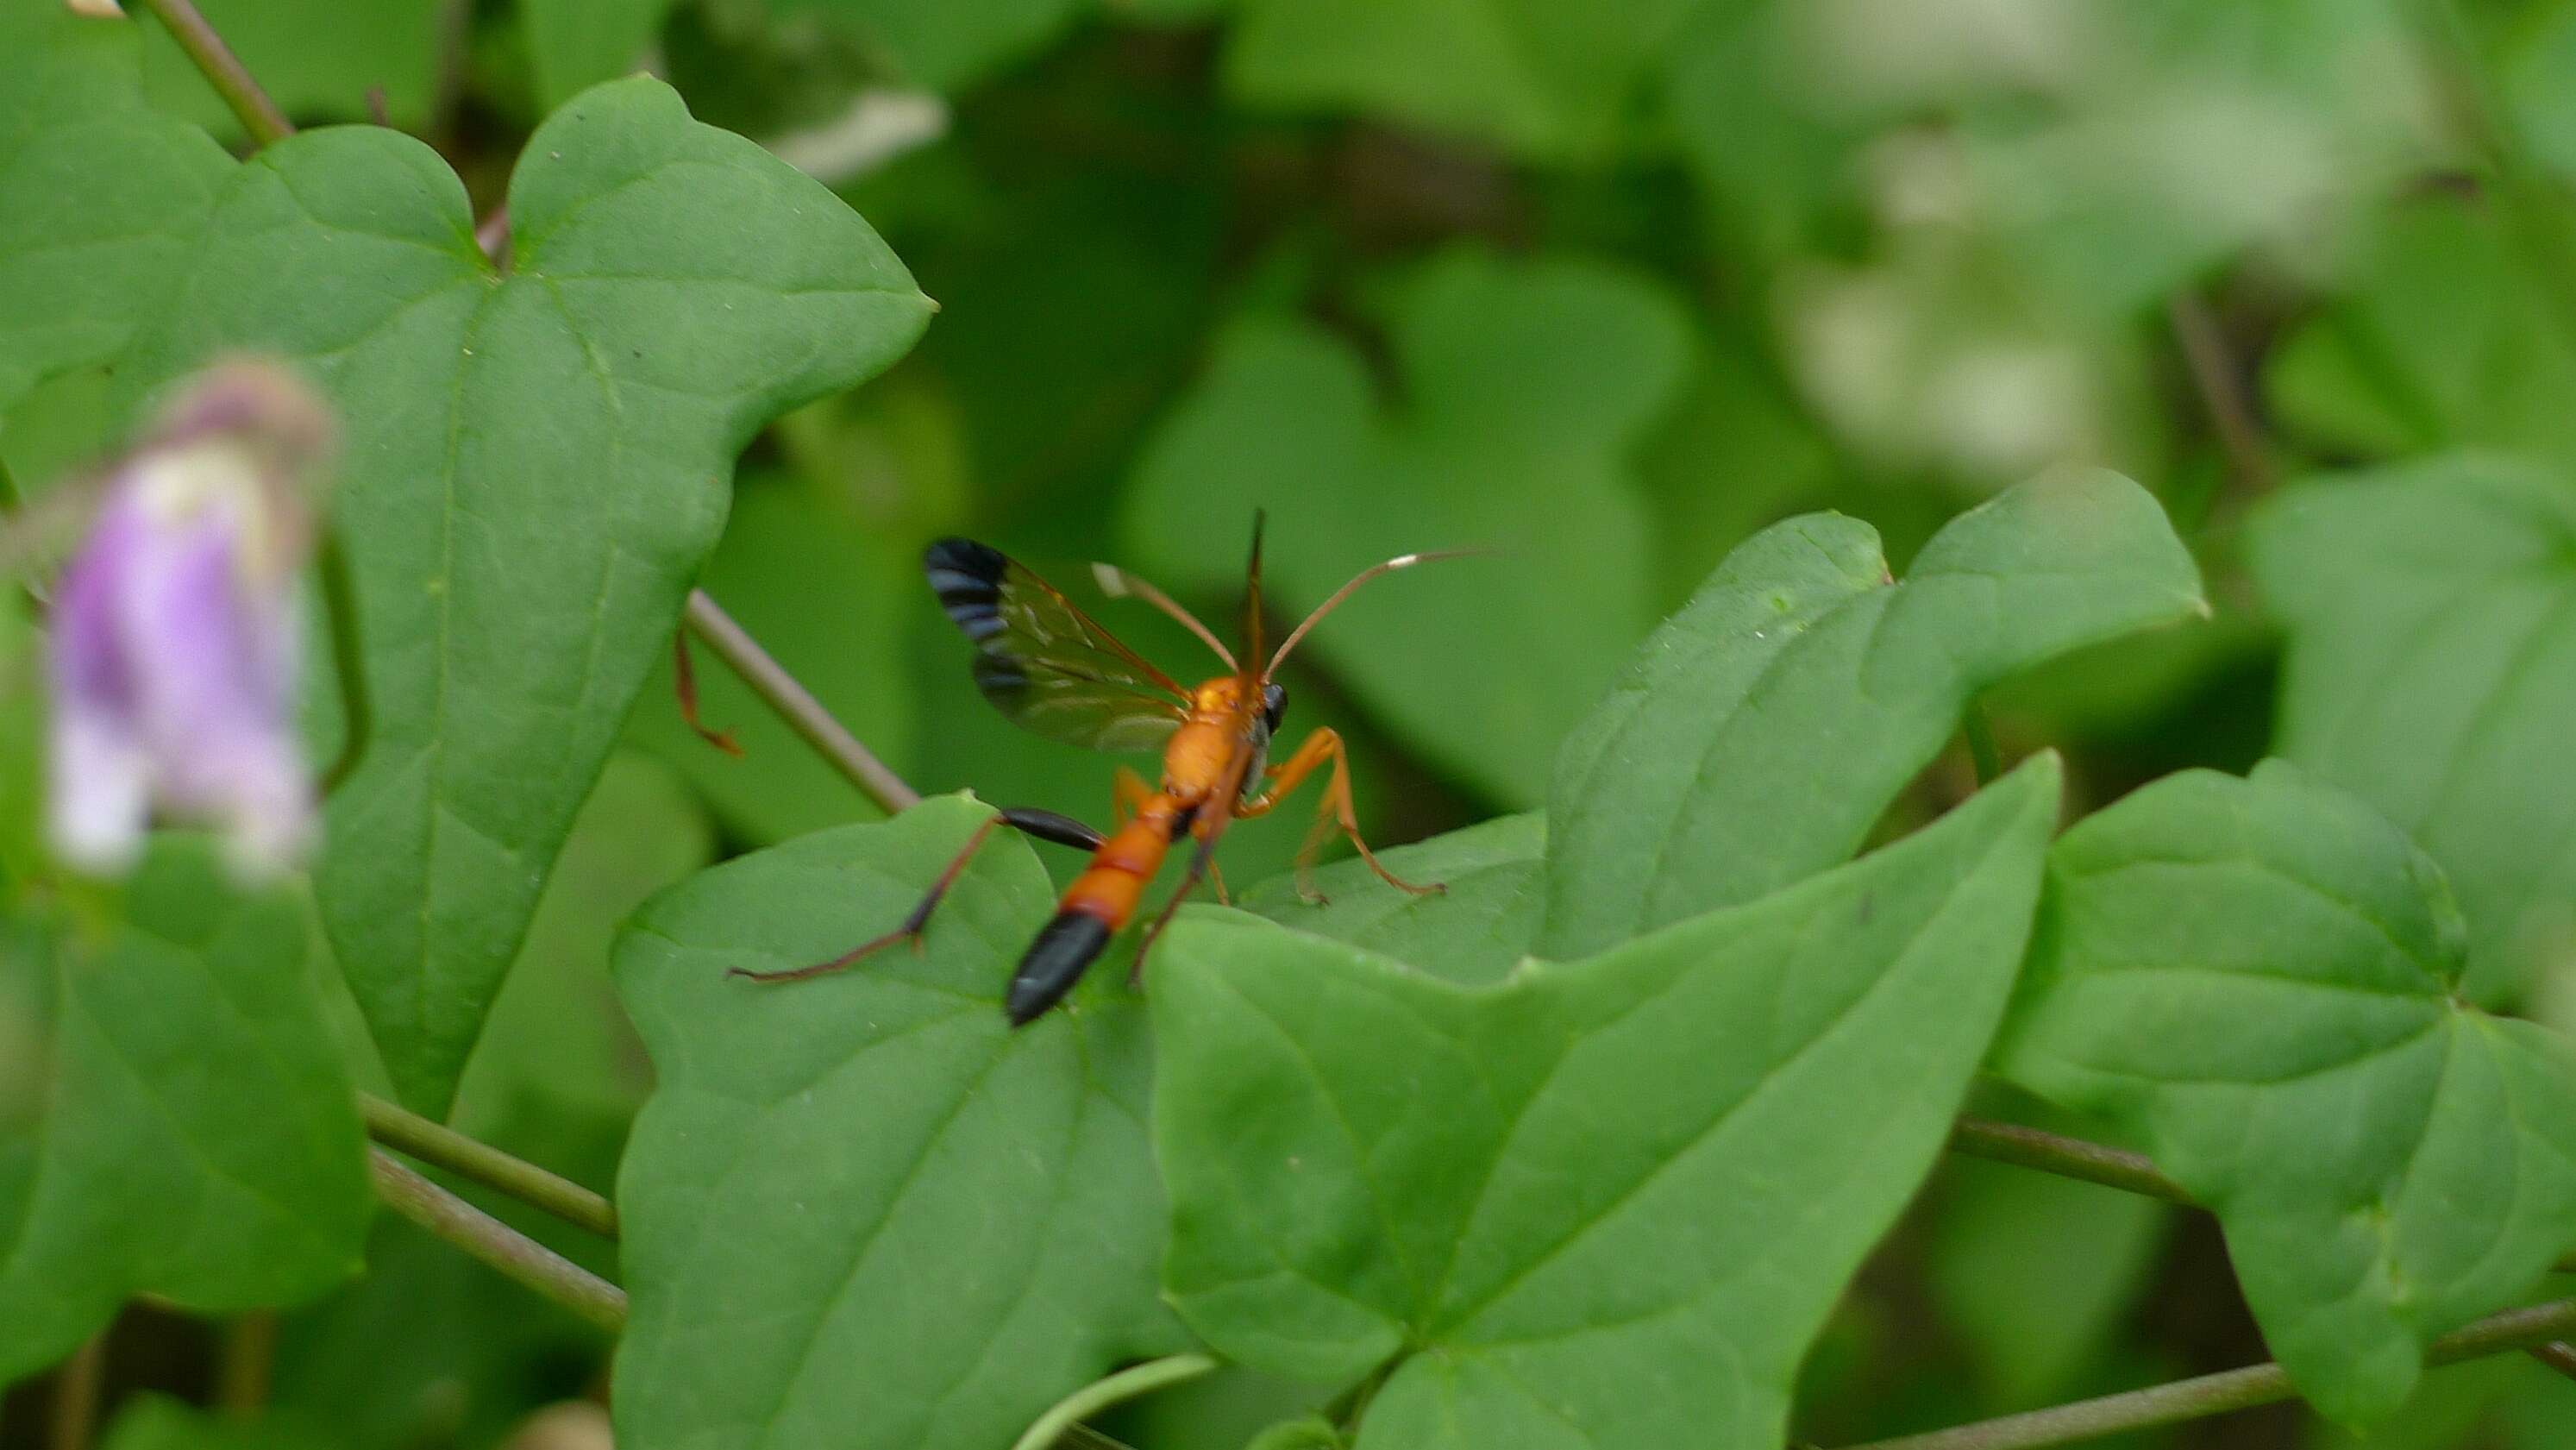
{"points": [[1333, 812], [1044, 825], [1127, 791], [684, 683]]}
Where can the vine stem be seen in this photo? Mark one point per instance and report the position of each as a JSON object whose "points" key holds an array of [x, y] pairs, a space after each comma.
{"points": [[796, 705], [436, 1143], [2213, 1394], [2221, 386], [1127, 1384], [224, 71], [246, 1363], [2066, 1157], [2091, 1162], [74, 1416], [522, 1258]]}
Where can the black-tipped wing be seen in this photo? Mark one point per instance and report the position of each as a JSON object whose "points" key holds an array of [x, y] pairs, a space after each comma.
{"points": [[1046, 664]]}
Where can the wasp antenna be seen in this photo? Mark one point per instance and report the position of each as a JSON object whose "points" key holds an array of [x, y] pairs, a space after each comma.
{"points": [[1252, 591], [1117, 583], [1400, 561]]}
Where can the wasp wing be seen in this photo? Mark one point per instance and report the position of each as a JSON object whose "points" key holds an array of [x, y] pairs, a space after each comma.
{"points": [[1044, 663]]}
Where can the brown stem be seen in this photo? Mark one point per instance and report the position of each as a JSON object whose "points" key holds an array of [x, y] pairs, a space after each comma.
{"points": [[2221, 385], [797, 706], [76, 1394], [2216, 1394], [496, 1243], [408, 1132], [246, 1362], [2559, 1355], [2066, 1157], [224, 71]]}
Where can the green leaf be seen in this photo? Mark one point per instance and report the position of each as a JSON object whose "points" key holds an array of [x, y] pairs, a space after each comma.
{"points": [[1546, 82], [1759, 733], [536, 468], [2432, 670], [949, 46], [1603, 1203], [1523, 387], [429, 1348], [311, 60], [556, 1029], [157, 1422], [2256, 977], [100, 196], [829, 601], [1470, 933], [1310, 1432], [2449, 336], [2036, 1274], [174, 1119], [860, 1211], [575, 44]]}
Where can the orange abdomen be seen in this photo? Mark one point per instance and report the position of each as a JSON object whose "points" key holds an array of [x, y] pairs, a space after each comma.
{"points": [[1100, 901]]}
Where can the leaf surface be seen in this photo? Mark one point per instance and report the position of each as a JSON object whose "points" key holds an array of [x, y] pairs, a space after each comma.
{"points": [[2432, 671], [536, 466], [1760, 732], [1470, 933], [2256, 977], [100, 195], [860, 1211], [174, 1117], [1602, 1203]]}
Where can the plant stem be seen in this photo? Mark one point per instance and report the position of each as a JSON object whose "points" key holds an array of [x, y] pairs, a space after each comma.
{"points": [[2221, 385], [797, 706], [496, 1243], [436, 1143], [2558, 1354], [76, 1391], [2066, 1157], [1127, 1384], [2091, 1162], [224, 71], [2216, 1394], [246, 1362], [348, 657]]}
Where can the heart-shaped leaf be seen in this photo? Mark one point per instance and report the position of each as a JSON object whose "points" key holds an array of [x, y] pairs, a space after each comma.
{"points": [[2447, 337], [860, 1210], [2256, 977], [575, 44], [174, 1118], [1471, 932], [1523, 387], [537, 465], [2432, 672], [100, 195], [1604, 1203], [1549, 82], [1759, 733]]}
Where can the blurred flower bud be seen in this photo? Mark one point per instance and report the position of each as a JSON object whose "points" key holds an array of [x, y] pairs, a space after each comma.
{"points": [[101, 9], [174, 645]]}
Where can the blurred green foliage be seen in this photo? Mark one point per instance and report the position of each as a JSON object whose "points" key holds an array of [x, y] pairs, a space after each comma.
{"points": [[1606, 288]]}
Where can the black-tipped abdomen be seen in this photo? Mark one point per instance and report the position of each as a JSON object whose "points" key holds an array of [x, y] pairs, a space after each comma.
{"points": [[1054, 962]]}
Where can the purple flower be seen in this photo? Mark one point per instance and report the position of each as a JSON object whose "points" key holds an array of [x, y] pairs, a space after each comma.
{"points": [[174, 631]]}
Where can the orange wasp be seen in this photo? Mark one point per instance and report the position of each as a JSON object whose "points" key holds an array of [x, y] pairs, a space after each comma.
{"points": [[1054, 670]]}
